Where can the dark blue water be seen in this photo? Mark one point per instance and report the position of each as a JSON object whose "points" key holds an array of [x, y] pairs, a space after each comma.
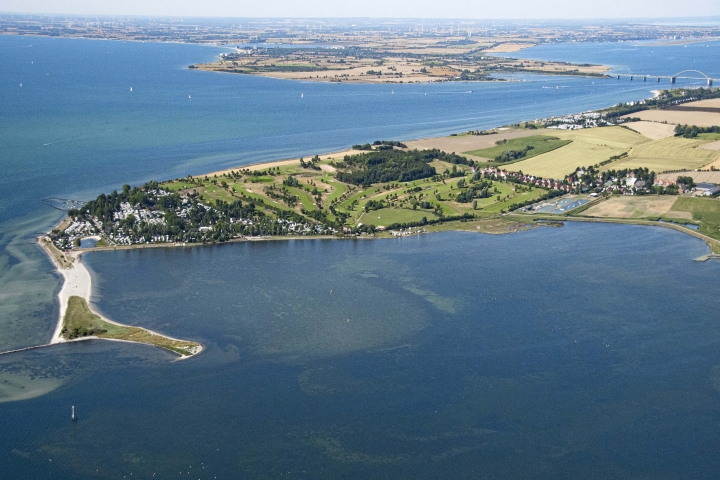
{"points": [[641, 58], [584, 351], [451, 354]]}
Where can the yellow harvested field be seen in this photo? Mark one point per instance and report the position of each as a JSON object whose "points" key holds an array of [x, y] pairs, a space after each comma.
{"points": [[465, 143], [698, 177], [634, 207], [590, 147], [674, 153], [653, 130], [710, 103], [711, 146], [683, 117], [509, 47]]}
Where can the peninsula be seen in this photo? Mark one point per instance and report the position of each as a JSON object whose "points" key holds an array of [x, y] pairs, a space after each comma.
{"points": [[504, 180], [78, 321], [391, 62]]}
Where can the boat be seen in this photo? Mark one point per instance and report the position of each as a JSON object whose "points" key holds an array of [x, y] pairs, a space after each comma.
{"points": [[131, 89], [302, 95]]}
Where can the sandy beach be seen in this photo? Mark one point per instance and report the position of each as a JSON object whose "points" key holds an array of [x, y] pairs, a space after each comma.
{"points": [[77, 282]]}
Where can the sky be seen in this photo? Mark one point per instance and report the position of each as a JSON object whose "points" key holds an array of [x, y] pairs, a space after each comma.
{"points": [[466, 9]]}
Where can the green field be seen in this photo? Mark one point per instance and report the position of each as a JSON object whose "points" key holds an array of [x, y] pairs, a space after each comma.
{"points": [[540, 143], [703, 210], [304, 197], [80, 322], [388, 216]]}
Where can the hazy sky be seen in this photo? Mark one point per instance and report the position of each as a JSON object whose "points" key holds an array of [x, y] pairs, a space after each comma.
{"points": [[476, 9]]}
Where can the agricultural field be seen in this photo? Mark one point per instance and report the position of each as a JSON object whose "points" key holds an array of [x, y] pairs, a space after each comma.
{"points": [[589, 147], [635, 207], [672, 153], [653, 130], [701, 119], [593, 146], [540, 144]]}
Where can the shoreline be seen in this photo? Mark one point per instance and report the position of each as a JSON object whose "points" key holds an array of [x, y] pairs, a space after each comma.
{"points": [[77, 281]]}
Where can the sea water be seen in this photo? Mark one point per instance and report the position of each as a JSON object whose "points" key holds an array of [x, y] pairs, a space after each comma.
{"points": [[416, 365], [574, 352], [71, 128]]}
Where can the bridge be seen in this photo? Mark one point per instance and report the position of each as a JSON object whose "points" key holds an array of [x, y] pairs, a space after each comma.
{"points": [[672, 78]]}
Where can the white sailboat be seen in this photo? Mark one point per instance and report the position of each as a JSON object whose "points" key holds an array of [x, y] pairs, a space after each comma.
{"points": [[302, 95], [131, 89]]}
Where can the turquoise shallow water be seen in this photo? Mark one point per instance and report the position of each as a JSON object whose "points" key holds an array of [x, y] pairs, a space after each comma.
{"points": [[438, 370]]}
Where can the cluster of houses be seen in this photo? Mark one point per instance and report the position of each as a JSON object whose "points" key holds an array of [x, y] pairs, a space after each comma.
{"points": [[698, 190], [122, 233], [519, 177], [151, 217], [580, 120], [629, 184], [75, 232]]}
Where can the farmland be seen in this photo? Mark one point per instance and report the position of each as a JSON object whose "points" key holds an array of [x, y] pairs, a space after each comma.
{"points": [[588, 147], [634, 207], [597, 145], [672, 153], [540, 144]]}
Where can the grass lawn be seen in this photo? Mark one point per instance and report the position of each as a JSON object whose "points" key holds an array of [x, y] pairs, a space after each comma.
{"points": [[304, 197], [337, 192], [175, 186], [80, 322], [251, 193], [358, 196], [540, 143], [709, 136], [214, 192], [388, 216]]}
